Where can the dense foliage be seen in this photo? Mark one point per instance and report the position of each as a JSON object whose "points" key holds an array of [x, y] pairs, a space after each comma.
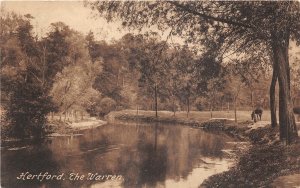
{"points": [[64, 73], [246, 29]]}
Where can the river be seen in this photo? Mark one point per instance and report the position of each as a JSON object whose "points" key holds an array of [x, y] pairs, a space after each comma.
{"points": [[139, 155]]}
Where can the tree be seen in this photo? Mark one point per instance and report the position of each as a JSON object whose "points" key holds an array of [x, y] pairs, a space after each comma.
{"points": [[107, 104], [26, 100], [213, 92], [28, 108], [133, 51], [73, 85], [109, 81], [235, 26], [233, 88], [295, 77], [147, 62], [58, 50], [92, 46], [154, 68], [181, 85]]}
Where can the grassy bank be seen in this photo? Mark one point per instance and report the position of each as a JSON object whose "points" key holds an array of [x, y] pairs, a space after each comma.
{"points": [[265, 160], [195, 119], [192, 116]]}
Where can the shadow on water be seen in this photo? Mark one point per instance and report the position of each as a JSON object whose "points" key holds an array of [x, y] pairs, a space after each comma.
{"points": [[146, 155], [30, 157]]}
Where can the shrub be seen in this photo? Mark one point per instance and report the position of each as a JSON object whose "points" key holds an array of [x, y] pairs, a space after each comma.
{"points": [[27, 110], [200, 104], [107, 105]]}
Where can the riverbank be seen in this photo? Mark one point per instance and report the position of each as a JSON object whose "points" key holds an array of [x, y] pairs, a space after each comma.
{"points": [[242, 115], [56, 128], [267, 160], [195, 119], [61, 128]]}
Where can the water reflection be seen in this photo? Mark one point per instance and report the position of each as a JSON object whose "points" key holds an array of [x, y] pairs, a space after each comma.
{"points": [[145, 155]]}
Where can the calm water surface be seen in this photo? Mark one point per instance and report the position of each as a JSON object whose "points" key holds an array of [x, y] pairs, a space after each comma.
{"points": [[145, 155]]}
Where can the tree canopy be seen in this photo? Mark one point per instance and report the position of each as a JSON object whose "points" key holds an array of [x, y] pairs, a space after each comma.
{"points": [[238, 27]]}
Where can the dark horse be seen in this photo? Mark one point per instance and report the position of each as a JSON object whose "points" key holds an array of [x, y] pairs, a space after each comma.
{"points": [[256, 114]]}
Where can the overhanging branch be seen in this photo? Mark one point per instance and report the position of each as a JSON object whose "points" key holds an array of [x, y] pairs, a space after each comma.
{"points": [[188, 9]]}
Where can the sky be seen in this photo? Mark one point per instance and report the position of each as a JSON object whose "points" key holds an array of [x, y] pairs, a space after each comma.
{"points": [[72, 13]]}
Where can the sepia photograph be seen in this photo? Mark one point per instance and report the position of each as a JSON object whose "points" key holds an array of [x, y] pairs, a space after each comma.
{"points": [[150, 94]]}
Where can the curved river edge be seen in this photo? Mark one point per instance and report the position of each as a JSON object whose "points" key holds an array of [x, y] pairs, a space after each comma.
{"points": [[56, 128], [59, 128], [261, 165]]}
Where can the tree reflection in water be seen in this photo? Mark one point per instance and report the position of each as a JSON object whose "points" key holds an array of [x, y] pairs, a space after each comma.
{"points": [[146, 155], [27, 156]]}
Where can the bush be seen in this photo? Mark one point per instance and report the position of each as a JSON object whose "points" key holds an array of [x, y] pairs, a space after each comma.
{"points": [[107, 105], [27, 110], [169, 106], [94, 108], [200, 104]]}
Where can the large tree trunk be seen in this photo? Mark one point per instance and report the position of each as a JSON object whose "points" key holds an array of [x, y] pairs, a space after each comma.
{"points": [[272, 95], [288, 129]]}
